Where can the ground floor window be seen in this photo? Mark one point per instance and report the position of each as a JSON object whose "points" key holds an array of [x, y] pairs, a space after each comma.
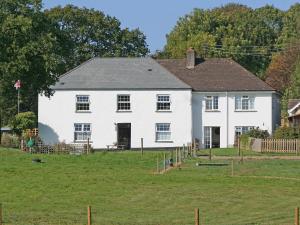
{"points": [[163, 132], [242, 130], [82, 131]]}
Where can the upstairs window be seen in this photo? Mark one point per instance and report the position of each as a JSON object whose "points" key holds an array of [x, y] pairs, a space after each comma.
{"points": [[82, 131], [163, 103], [163, 132], [244, 103], [123, 103], [82, 103], [212, 103]]}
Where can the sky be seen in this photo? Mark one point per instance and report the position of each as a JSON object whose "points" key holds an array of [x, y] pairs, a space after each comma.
{"points": [[156, 18]]}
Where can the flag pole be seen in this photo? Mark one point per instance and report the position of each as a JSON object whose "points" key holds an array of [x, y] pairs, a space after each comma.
{"points": [[18, 100]]}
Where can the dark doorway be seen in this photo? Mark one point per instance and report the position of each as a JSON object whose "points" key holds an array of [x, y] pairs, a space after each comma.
{"points": [[124, 135], [215, 137]]}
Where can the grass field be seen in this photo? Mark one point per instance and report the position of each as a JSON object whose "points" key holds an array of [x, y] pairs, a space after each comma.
{"points": [[122, 189]]}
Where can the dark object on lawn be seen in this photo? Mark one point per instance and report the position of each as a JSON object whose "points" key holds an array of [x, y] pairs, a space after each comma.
{"points": [[36, 160], [211, 164]]}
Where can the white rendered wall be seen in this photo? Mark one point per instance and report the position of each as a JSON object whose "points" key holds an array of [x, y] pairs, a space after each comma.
{"points": [[227, 118], [57, 116]]}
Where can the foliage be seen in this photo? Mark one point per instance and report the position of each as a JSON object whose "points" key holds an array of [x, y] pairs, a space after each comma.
{"points": [[279, 72], [287, 133], [23, 121], [230, 31], [258, 133], [291, 25], [27, 54], [244, 141], [37, 46], [10, 141], [85, 33]]}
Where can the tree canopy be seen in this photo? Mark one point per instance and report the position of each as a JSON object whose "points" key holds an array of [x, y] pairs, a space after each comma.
{"points": [[37, 46], [249, 36]]}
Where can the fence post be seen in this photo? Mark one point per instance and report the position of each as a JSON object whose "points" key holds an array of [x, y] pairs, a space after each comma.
{"points": [[142, 146], [1, 219], [164, 162], [157, 164], [239, 146], [209, 154], [297, 147], [89, 215], [297, 216], [88, 146], [176, 156], [197, 216], [232, 168]]}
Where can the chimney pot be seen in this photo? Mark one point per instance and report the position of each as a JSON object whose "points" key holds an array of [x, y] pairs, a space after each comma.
{"points": [[190, 58]]}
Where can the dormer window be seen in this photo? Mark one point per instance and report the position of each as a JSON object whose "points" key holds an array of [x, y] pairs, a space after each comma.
{"points": [[82, 103]]}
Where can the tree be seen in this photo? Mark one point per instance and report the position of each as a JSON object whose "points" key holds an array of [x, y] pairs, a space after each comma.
{"points": [[23, 121], [37, 47], [236, 31], [27, 54], [278, 74], [85, 33]]}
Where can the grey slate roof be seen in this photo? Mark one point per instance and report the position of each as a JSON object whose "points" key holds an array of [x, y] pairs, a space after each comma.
{"points": [[119, 73]]}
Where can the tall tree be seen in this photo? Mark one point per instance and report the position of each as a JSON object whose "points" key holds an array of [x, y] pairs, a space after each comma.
{"points": [[27, 54], [37, 46], [234, 31], [84, 33]]}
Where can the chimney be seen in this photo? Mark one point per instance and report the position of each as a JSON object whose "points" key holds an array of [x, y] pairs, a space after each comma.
{"points": [[190, 58]]}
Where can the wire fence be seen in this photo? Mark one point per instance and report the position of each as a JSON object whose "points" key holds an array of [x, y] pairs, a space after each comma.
{"points": [[88, 217]]}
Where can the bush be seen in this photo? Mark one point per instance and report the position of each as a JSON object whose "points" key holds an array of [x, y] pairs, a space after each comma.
{"points": [[244, 141], [258, 133], [10, 141], [22, 122], [287, 133]]}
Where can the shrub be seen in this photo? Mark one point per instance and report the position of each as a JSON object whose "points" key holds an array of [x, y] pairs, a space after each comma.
{"points": [[10, 141], [22, 122], [258, 133], [287, 133], [244, 141]]}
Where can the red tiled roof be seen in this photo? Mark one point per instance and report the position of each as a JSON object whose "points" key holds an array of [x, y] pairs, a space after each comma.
{"points": [[215, 74]]}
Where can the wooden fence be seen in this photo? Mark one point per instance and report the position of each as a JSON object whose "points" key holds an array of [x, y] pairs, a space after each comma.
{"points": [[280, 145]]}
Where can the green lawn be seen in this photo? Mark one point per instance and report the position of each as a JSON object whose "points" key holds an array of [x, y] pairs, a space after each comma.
{"points": [[122, 189], [235, 152]]}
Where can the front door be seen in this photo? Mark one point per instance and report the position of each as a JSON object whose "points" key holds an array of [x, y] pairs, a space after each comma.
{"points": [[124, 134]]}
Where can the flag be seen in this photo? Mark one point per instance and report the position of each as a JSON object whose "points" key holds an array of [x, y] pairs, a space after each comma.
{"points": [[18, 84]]}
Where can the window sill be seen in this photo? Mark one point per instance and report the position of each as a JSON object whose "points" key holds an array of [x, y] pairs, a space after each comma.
{"points": [[245, 110], [212, 110], [164, 141], [164, 111], [83, 111], [123, 111], [82, 142]]}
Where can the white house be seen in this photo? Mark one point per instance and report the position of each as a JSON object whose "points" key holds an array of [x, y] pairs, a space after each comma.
{"points": [[119, 100], [165, 102]]}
